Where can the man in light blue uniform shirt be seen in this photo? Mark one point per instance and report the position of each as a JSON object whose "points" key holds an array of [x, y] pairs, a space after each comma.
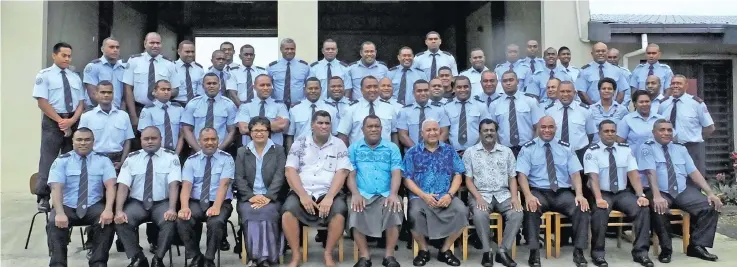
{"points": [[478, 65], [489, 92], [433, 59], [366, 66], [109, 67], [229, 50], [165, 115], [386, 94], [588, 80], [300, 116], [519, 67], [210, 110], [516, 112], [370, 104], [205, 197], [330, 66], [551, 69], [403, 76], [613, 58], [573, 118], [264, 105], [464, 114], [437, 93], [564, 55], [337, 98], [638, 80], [653, 88], [189, 73], [245, 76], [111, 126], [289, 74], [411, 117], [534, 62], [227, 82], [551, 93]]}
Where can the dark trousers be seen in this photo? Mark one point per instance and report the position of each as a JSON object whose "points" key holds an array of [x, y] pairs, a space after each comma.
{"points": [[58, 238], [562, 201], [626, 202], [136, 216], [704, 218], [216, 225], [698, 154], [53, 143]]}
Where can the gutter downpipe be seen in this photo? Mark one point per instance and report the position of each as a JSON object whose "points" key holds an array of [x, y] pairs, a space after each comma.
{"points": [[578, 22], [626, 57]]}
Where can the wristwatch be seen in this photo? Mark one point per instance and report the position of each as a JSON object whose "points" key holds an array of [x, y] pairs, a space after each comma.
{"points": [[642, 195]]}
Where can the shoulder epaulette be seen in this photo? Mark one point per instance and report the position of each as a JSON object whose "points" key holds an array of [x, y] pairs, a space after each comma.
{"points": [[149, 105], [477, 98], [665, 65], [123, 64], [193, 155], [198, 97], [640, 65], [623, 144], [418, 69], [649, 142], [394, 68], [136, 55], [99, 153], [44, 70], [343, 63], [563, 143], [223, 153], [664, 99], [198, 65], [550, 105], [354, 63], [420, 54], [385, 101], [499, 65], [594, 146], [165, 57], [234, 68], [408, 105], [530, 143], [315, 63], [65, 155], [278, 101], [533, 96], [176, 104], [585, 66], [297, 103], [698, 99], [330, 103], [95, 61], [249, 100], [273, 63], [584, 105], [447, 53], [304, 62], [134, 153], [495, 98], [353, 102], [449, 101], [381, 62], [261, 68], [537, 71], [436, 103], [679, 143], [88, 108], [170, 151]]}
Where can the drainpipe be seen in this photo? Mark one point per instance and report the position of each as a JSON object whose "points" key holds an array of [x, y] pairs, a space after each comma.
{"points": [[578, 22], [626, 57]]}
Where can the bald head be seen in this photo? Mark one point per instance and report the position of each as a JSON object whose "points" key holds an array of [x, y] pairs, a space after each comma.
{"points": [[546, 128], [652, 85], [546, 120], [613, 56], [599, 52], [152, 44]]}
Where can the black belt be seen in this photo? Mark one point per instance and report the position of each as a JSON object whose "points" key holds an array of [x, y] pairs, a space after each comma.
{"points": [[62, 115]]}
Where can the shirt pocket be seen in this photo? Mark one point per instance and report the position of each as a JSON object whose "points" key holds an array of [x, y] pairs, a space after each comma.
{"points": [[386, 122], [221, 116], [105, 75], [140, 75], [330, 163], [120, 129], [578, 124], [679, 165], [474, 117]]}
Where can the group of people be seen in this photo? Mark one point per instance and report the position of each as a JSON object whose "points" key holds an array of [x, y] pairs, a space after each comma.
{"points": [[338, 145]]}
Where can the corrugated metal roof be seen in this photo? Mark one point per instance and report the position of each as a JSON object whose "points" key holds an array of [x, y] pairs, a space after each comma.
{"points": [[663, 19]]}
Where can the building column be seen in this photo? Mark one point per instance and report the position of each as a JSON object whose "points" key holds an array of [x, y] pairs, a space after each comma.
{"points": [[298, 20], [21, 134], [560, 27]]}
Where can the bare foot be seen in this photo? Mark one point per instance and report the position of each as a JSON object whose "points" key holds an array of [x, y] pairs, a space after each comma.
{"points": [[295, 262], [329, 259]]}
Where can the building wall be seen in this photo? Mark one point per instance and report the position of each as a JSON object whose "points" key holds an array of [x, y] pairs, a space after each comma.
{"points": [[168, 41], [559, 28], [301, 18], [479, 33], [65, 24], [522, 22], [128, 28]]}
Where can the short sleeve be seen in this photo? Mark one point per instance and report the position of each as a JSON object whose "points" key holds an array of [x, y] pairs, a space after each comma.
{"points": [[645, 158], [293, 126], [690, 166], [91, 74], [622, 83], [41, 87], [537, 113], [129, 132], [281, 111], [590, 124], [457, 162], [124, 177], [445, 121], [344, 126], [347, 84], [294, 153], [623, 130], [590, 162], [230, 83], [188, 113], [108, 169], [188, 170], [176, 172], [523, 161], [232, 112], [704, 117], [57, 173], [342, 156], [511, 164], [408, 168], [396, 157], [468, 163], [84, 122], [633, 82], [581, 84], [574, 165], [144, 120], [352, 155], [228, 168], [631, 162], [128, 73]]}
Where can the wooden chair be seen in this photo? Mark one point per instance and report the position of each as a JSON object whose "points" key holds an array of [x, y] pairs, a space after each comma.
{"points": [[499, 226], [305, 238], [685, 223]]}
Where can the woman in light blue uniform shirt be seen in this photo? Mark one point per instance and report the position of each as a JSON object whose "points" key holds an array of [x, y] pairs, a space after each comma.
{"points": [[637, 126]]}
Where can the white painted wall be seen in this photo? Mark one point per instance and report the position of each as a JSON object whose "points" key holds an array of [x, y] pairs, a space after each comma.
{"points": [[478, 33], [64, 24], [298, 20], [558, 25], [168, 41], [128, 27]]}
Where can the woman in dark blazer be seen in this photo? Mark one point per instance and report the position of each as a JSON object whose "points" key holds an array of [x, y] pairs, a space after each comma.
{"points": [[260, 185]]}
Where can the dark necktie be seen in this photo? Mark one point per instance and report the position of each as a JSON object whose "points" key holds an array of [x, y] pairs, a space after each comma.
{"points": [[249, 84], [151, 78], [673, 112], [82, 196], [513, 131], [371, 108], [488, 101], [288, 85], [210, 117], [532, 65], [550, 166], [262, 109], [222, 83], [188, 81], [337, 106], [601, 71], [403, 87], [330, 72], [313, 106], [205, 193], [462, 125], [613, 180], [564, 132], [511, 66], [227, 67], [422, 120], [148, 185], [433, 70], [650, 70], [168, 140], [67, 92], [672, 182], [552, 74]]}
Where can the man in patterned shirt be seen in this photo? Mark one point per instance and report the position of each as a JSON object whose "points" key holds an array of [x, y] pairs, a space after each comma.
{"points": [[491, 179]]}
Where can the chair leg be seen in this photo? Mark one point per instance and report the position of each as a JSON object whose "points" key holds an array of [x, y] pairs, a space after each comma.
{"points": [[30, 229], [355, 251], [340, 249], [464, 244], [218, 258], [305, 233], [415, 248], [514, 249], [656, 245], [686, 228], [557, 236], [619, 233], [244, 254], [81, 236], [548, 236], [171, 258]]}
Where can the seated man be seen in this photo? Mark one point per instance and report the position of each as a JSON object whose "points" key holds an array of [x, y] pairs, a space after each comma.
{"points": [[432, 173], [152, 176], [547, 169], [374, 183], [317, 166], [608, 165], [668, 165], [79, 180], [205, 197]]}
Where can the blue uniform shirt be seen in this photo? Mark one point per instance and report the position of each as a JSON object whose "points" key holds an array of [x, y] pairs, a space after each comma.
{"points": [[68, 167], [639, 75], [351, 124], [522, 69], [531, 162], [300, 117], [153, 115], [230, 83], [413, 74], [475, 112], [475, 77], [692, 116], [409, 118], [588, 79], [539, 63], [111, 129], [528, 114], [222, 167], [319, 70], [423, 60], [166, 170], [655, 104], [195, 115], [616, 113], [596, 160], [259, 187], [50, 86], [340, 106], [636, 129], [374, 166], [358, 70], [100, 69], [136, 75], [539, 83], [195, 76], [273, 108], [299, 70], [580, 123], [432, 171], [652, 157], [572, 71], [240, 76]]}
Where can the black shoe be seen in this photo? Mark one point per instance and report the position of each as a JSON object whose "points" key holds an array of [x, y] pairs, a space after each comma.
{"points": [[225, 245], [701, 253], [152, 248], [264, 264], [599, 261], [363, 262], [579, 259], [448, 257], [321, 236], [43, 205], [156, 262], [505, 259], [664, 256], [197, 261], [139, 261], [89, 254], [208, 263], [487, 260], [644, 261], [534, 260], [390, 262], [423, 256], [119, 245]]}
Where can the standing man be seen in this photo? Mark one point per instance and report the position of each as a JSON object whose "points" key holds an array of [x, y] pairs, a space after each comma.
{"points": [[555, 186], [574, 119], [264, 105], [229, 50], [690, 119], [431, 60], [189, 73], [492, 181], [386, 94], [668, 165], [432, 174], [610, 165], [489, 92], [301, 114], [349, 129], [316, 171], [366, 66], [588, 80], [564, 55], [514, 64], [517, 114], [337, 98], [437, 92], [653, 88], [613, 58], [151, 176], [329, 66], [211, 110], [446, 79], [166, 116], [404, 76], [536, 63], [244, 76], [412, 116], [227, 82], [642, 72], [79, 181], [551, 93], [60, 96], [374, 185], [109, 67], [540, 78], [465, 114], [478, 65], [288, 73], [205, 197]]}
